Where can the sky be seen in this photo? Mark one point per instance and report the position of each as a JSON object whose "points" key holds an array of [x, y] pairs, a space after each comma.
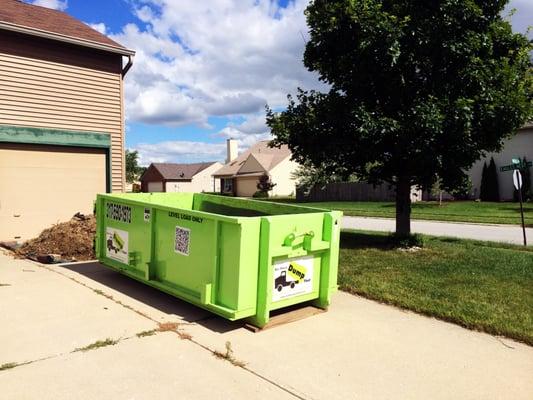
{"points": [[204, 70]]}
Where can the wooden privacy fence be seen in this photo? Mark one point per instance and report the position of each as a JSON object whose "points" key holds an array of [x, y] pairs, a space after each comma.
{"points": [[348, 191]]}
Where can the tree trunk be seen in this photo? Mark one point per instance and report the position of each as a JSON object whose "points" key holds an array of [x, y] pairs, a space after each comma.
{"points": [[403, 207]]}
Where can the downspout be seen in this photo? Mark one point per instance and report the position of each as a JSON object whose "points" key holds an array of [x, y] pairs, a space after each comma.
{"points": [[127, 66]]}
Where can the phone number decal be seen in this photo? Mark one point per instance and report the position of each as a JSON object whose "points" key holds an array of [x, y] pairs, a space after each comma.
{"points": [[118, 212]]}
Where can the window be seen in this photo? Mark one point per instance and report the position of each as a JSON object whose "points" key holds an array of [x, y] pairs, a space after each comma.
{"points": [[227, 185]]}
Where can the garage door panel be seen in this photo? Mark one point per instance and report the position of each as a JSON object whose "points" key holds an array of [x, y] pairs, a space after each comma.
{"points": [[155, 187], [44, 185]]}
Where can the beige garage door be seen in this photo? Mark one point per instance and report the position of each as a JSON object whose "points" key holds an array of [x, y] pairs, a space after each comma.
{"points": [[246, 186], [43, 185], [155, 187]]}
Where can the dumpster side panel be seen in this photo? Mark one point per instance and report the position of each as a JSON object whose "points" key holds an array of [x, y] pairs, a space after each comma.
{"points": [[185, 249], [243, 207]]}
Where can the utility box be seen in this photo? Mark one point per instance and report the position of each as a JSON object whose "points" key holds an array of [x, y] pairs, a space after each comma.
{"points": [[235, 257]]}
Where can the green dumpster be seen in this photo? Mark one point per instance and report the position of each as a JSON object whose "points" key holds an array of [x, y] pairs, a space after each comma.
{"points": [[235, 257]]}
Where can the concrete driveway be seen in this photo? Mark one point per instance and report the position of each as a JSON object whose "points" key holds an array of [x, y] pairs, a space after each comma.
{"points": [[359, 349], [485, 232]]}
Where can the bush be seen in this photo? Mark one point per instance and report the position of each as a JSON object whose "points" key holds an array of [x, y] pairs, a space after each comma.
{"points": [[260, 195], [218, 194], [265, 184], [490, 190], [463, 191]]}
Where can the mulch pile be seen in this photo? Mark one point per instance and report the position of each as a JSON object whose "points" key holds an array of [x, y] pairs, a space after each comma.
{"points": [[66, 241]]}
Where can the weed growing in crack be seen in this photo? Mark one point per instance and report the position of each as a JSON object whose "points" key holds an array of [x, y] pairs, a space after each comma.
{"points": [[228, 356], [6, 366], [146, 333], [97, 345]]}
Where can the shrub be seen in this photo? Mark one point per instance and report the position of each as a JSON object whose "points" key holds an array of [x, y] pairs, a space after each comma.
{"points": [[260, 194], [490, 190]]}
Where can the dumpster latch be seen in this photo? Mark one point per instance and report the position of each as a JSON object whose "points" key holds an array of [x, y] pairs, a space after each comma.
{"points": [[307, 238], [308, 244]]}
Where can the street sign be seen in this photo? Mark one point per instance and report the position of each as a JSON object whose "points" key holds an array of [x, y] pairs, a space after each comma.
{"points": [[517, 179], [513, 167]]}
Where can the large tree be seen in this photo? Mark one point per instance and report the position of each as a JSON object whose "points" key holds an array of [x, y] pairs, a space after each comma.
{"points": [[418, 90], [133, 170]]}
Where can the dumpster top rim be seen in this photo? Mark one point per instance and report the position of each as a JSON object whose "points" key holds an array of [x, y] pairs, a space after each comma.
{"points": [[129, 198]]}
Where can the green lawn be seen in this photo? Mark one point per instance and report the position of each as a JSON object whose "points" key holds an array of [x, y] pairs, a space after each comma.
{"points": [[482, 286], [459, 211]]}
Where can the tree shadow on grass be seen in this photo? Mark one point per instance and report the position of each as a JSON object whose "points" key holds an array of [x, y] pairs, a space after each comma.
{"points": [[360, 240]]}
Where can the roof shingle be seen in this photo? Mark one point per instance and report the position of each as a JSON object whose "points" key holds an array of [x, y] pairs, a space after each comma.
{"points": [[180, 171], [45, 19]]}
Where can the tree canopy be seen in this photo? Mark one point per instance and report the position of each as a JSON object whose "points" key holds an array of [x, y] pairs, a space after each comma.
{"points": [[418, 90], [133, 170]]}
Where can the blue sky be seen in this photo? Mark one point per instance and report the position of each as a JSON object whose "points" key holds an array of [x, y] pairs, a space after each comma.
{"points": [[205, 69]]}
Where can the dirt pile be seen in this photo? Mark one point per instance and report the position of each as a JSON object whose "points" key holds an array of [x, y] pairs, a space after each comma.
{"points": [[72, 240]]}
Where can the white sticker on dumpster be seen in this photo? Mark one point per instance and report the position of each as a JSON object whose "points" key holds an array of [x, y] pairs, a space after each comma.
{"points": [[292, 278], [117, 245]]}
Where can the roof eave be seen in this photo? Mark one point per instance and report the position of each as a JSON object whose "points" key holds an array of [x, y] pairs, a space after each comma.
{"points": [[65, 39]]}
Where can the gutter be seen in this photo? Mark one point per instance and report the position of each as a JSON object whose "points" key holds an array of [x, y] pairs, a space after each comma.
{"points": [[127, 66], [71, 40]]}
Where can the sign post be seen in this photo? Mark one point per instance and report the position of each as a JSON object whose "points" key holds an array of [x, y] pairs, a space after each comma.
{"points": [[517, 181], [515, 166]]}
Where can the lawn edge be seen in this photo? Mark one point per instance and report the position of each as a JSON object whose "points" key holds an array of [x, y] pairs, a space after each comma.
{"points": [[456, 321]]}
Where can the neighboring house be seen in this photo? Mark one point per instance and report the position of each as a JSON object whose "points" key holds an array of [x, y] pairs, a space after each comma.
{"points": [[168, 177], [61, 117], [519, 146], [241, 174]]}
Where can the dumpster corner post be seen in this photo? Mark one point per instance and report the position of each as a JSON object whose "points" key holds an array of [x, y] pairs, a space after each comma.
{"points": [[329, 267]]}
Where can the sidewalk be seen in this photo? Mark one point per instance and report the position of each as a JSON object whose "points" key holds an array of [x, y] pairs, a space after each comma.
{"points": [[485, 232], [359, 349]]}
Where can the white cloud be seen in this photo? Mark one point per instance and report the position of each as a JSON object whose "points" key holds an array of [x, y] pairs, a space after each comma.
{"points": [[60, 5], [180, 151], [100, 27], [247, 133], [199, 59]]}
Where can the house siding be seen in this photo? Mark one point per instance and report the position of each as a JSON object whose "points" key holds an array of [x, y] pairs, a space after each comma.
{"points": [[281, 175], [45, 84], [201, 182], [520, 145]]}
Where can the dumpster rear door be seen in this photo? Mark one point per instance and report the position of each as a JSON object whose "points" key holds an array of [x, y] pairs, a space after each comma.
{"points": [[298, 260]]}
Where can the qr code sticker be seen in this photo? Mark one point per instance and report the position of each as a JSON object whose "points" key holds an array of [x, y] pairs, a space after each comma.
{"points": [[183, 236]]}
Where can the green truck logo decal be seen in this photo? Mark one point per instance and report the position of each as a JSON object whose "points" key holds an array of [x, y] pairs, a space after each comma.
{"points": [[117, 245]]}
